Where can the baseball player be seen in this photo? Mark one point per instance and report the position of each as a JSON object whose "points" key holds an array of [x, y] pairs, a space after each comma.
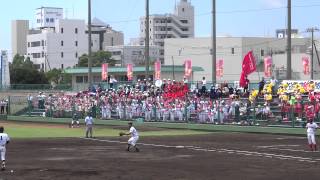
{"points": [[134, 137], [4, 140], [75, 120], [311, 131], [89, 125]]}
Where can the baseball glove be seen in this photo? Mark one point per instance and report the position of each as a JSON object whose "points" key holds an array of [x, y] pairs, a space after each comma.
{"points": [[121, 133]]}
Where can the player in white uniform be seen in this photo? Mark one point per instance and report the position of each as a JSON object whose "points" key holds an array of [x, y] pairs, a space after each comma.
{"points": [[89, 125], [311, 131], [134, 137], [4, 140]]}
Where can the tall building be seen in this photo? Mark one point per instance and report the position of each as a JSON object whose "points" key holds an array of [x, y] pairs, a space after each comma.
{"points": [[60, 46], [19, 32], [47, 16], [180, 24], [4, 69], [103, 35]]}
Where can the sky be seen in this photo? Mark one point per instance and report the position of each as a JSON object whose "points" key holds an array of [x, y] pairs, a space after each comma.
{"points": [[234, 17]]}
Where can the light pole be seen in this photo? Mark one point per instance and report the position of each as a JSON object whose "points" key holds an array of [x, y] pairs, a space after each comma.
{"points": [[89, 46], [312, 30], [289, 74], [214, 42]]}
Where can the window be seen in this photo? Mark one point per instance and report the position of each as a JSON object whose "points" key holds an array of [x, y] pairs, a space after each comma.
{"points": [[232, 50], [182, 9], [35, 44], [42, 42], [42, 54], [184, 21], [36, 55], [61, 66], [76, 55], [112, 44], [61, 30], [51, 20], [76, 30], [61, 54], [96, 79], [47, 20], [28, 44], [85, 79], [76, 43], [184, 36], [61, 43], [38, 20], [79, 79], [184, 29], [262, 52]]}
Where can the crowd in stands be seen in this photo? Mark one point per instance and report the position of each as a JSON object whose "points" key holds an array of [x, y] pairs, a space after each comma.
{"points": [[179, 101]]}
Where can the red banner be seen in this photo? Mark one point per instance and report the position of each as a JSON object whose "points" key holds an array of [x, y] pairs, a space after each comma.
{"points": [[104, 72], [187, 68], [249, 64], [219, 70], [268, 66], [157, 70], [305, 63], [129, 72]]}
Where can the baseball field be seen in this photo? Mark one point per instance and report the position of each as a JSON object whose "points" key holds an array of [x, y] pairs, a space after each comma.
{"points": [[43, 150]]}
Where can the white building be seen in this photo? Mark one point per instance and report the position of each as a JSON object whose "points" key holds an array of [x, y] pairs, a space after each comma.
{"points": [[233, 49], [4, 69], [47, 16], [58, 47], [177, 25], [19, 32], [131, 54]]}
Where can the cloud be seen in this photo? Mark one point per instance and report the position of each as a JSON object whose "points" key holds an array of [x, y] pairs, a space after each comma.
{"points": [[274, 3]]}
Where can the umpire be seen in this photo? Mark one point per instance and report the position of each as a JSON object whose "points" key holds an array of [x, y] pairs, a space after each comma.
{"points": [[89, 125]]}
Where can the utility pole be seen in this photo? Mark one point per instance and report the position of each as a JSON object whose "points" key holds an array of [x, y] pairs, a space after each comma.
{"points": [[312, 30], [289, 73], [147, 39], [89, 45], [214, 42]]}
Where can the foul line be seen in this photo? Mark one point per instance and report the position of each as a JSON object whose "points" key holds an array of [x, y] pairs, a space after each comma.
{"points": [[229, 151]]}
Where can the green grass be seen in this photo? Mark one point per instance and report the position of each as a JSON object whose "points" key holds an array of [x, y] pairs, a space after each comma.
{"points": [[186, 127], [26, 130]]}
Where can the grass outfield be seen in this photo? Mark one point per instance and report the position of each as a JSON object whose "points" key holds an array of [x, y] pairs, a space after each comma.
{"points": [[44, 130], [182, 126]]}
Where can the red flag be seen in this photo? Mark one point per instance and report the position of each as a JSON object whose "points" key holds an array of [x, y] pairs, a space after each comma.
{"points": [[267, 66], [104, 72], [305, 63], [187, 68], [242, 81], [157, 70], [249, 64], [129, 72]]}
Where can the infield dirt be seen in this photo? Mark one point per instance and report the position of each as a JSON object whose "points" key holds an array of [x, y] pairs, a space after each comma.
{"points": [[219, 156]]}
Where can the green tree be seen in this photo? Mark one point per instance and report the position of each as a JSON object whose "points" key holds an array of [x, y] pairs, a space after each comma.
{"points": [[97, 59], [23, 71], [58, 76]]}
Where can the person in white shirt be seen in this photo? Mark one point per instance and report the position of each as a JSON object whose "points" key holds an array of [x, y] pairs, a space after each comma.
{"points": [[311, 131], [89, 125], [134, 137], [4, 140]]}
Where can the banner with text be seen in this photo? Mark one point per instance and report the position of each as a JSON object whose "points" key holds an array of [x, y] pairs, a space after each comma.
{"points": [[129, 72], [157, 70], [268, 66], [187, 68], [104, 72]]}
